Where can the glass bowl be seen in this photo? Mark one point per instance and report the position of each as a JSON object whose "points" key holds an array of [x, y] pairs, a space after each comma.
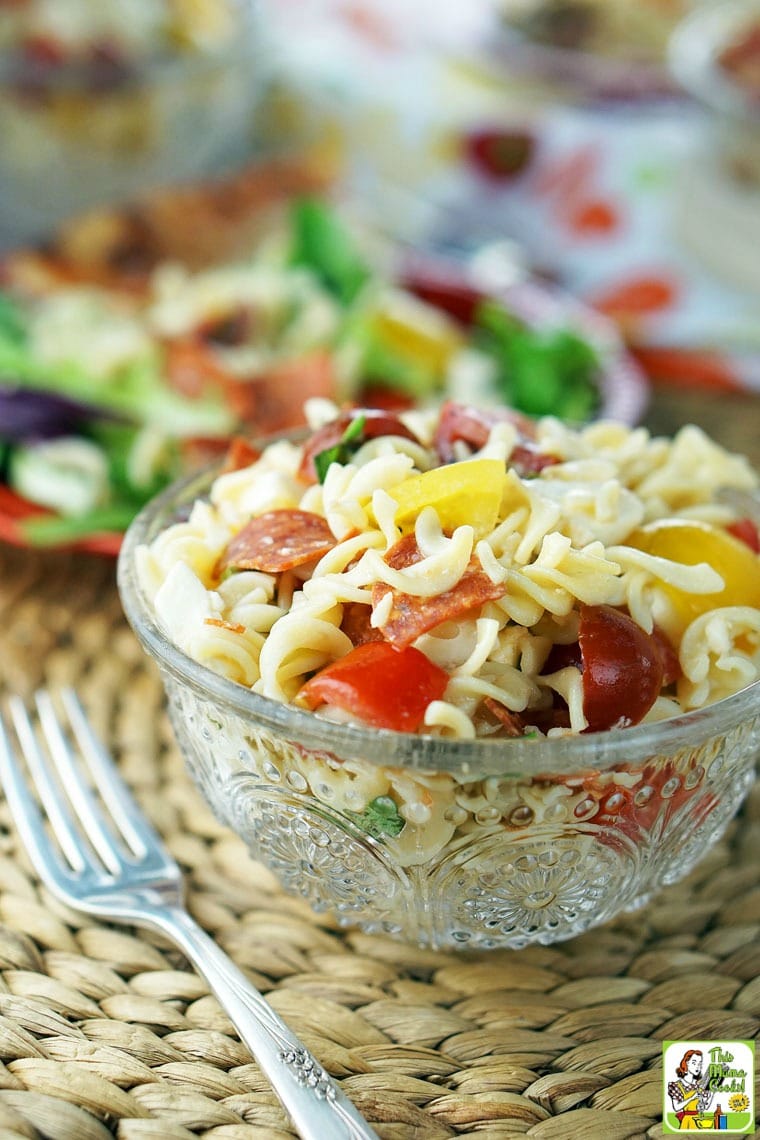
{"points": [[527, 840], [589, 50], [77, 136], [700, 55]]}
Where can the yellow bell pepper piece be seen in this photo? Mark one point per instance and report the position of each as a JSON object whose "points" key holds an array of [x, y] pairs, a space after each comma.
{"points": [[467, 492], [689, 542], [420, 334]]}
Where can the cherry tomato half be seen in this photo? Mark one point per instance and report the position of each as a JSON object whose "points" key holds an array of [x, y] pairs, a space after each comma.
{"points": [[747, 532], [622, 665]]}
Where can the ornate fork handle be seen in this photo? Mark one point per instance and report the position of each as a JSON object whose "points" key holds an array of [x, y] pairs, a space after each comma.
{"points": [[317, 1105]]}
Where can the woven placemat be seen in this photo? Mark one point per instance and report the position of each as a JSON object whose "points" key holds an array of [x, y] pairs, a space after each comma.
{"points": [[106, 1032]]}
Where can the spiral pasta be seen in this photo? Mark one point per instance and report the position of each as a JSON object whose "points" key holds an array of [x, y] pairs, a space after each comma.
{"points": [[497, 610]]}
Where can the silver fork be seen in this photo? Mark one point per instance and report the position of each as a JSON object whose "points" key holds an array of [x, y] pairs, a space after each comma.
{"points": [[103, 858]]}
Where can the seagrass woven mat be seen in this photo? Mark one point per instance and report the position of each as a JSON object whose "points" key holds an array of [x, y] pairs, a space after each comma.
{"points": [[107, 1032]]}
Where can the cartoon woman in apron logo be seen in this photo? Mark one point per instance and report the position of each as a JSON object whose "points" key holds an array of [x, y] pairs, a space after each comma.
{"points": [[689, 1094]]}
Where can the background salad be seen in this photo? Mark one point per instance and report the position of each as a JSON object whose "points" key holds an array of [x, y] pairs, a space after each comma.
{"points": [[106, 395]]}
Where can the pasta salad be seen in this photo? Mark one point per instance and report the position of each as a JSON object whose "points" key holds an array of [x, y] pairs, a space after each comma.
{"points": [[466, 572]]}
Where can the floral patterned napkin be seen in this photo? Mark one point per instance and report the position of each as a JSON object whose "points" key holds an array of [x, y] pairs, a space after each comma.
{"points": [[624, 205]]}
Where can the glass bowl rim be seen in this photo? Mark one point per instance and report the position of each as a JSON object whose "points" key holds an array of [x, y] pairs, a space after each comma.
{"points": [[522, 757], [592, 74]]}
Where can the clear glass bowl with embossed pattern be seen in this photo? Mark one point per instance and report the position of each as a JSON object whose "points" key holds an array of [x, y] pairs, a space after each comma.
{"points": [[505, 843]]}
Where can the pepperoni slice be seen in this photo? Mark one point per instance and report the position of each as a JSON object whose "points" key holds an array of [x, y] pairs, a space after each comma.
{"points": [[356, 624], [273, 401], [511, 722], [527, 460], [472, 426], [240, 453], [377, 422], [191, 367], [403, 553], [278, 540], [411, 616]]}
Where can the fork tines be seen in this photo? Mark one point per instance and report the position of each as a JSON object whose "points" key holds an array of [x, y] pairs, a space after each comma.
{"points": [[87, 805]]}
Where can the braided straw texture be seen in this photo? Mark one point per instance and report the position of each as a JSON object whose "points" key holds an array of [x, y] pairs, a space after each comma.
{"points": [[105, 1032]]}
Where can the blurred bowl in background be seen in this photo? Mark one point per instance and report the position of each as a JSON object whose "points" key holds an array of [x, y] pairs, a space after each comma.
{"points": [[715, 57], [622, 389], [93, 114], [590, 49]]}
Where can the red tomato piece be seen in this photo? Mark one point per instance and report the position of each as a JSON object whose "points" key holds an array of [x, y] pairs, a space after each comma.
{"points": [[376, 423], [198, 451], [746, 531], [13, 511], [411, 616], [278, 540], [380, 684], [622, 668], [13, 506], [634, 807]]}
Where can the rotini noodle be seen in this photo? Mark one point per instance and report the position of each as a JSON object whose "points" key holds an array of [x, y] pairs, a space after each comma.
{"points": [[564, 542], [720, 654]]}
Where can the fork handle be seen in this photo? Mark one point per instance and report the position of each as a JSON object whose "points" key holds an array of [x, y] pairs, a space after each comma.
{"points": [[317, 1105]]}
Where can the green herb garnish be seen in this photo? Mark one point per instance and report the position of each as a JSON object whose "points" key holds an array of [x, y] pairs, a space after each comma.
{"points": [[380, 818], [348, 444]]}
